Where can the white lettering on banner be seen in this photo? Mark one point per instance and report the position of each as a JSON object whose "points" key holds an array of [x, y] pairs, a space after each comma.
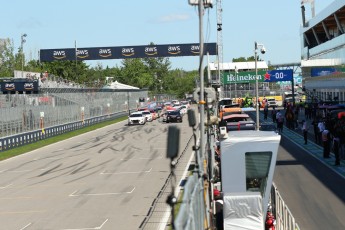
{"points": [[127, 52], [82, 53], [195, 49], [239, 78], [150, 50], [174, 49], [28, 85], [59, 54], [9, 85], [104, 52], [279, 75]]}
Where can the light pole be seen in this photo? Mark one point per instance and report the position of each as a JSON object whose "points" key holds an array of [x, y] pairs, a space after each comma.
{"points": [[21, 48], [236, 71], [263, 51]]}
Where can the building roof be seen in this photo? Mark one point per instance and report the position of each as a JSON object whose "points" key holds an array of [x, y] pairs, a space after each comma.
{"points": [[118, 85], [238, 65]]}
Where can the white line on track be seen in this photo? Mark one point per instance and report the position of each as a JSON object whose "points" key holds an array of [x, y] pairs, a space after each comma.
{"points": [[167, 212], [95, 228], [6, 186], [99, 194], [25, 226]]}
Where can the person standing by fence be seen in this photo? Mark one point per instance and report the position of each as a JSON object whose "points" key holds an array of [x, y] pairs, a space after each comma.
{"points": [[336, 143], [265, 111], [273, 114], [280, 121], [321, 126], [316, 130], [326, 140], [305, 128]]}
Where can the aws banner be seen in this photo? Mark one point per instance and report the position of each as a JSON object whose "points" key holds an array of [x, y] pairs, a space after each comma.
{"points": [[263, 76], [13, 86], [121, 52]]}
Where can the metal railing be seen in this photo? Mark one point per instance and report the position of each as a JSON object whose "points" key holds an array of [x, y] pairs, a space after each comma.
{"points": [[284, 217], [192, 211]]}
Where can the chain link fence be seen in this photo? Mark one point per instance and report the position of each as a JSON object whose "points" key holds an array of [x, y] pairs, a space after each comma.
{"points": [[21, 113]]}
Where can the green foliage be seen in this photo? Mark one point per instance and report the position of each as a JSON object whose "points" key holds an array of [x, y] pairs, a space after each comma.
{"points": [[244, 59], [8, 59], [154, 74], [75, 71]]}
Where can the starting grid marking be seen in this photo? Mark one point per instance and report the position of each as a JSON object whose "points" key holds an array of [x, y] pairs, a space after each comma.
{"points": [[92, 228], [100, 194]]}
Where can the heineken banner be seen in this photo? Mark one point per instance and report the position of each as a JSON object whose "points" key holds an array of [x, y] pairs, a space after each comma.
{"points": [[263, 76], [122, 52]]}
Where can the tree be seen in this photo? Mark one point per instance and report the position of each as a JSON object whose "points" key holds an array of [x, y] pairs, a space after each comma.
{"points": [[158, 68], [244, 59], [136, 73], [180, 82], [8, 60], [70, 70], [34, 66]]}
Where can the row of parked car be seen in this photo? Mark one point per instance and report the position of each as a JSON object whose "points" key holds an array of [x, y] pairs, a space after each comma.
{"points": [[236, 118], [140, 117], [168, 111]]}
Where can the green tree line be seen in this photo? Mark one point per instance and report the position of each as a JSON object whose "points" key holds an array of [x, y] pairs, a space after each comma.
{"points": [[154, 74]]}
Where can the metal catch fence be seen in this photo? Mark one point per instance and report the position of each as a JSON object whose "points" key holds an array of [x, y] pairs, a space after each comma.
{"points": [[26, 118], [21, 113]]}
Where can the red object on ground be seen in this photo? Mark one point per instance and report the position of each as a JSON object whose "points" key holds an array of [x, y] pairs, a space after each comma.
{"points": [[341, 114]]}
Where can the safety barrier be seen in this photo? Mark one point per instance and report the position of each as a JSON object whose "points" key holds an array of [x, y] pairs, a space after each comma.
{"points": [[21, 139], [284, 218], [192, 211]]}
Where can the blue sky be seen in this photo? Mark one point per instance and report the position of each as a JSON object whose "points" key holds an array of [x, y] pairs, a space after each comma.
{"points": [[58, 24]]}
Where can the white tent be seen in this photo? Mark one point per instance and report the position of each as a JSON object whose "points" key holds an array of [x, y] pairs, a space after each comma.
{"points": [[118, 85]]}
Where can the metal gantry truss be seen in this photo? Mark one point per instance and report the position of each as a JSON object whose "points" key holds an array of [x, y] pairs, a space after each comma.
{"points": [[220, 44]]}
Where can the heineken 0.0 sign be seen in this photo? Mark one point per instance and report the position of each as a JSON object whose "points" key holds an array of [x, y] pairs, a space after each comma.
{"points": [[263, 76]]}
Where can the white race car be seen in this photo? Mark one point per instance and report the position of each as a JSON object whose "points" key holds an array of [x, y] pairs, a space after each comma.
{"points": [[136, 118]]}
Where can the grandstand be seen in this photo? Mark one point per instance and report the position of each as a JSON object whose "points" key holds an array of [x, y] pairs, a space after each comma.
{"points": [[323, 52]]}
